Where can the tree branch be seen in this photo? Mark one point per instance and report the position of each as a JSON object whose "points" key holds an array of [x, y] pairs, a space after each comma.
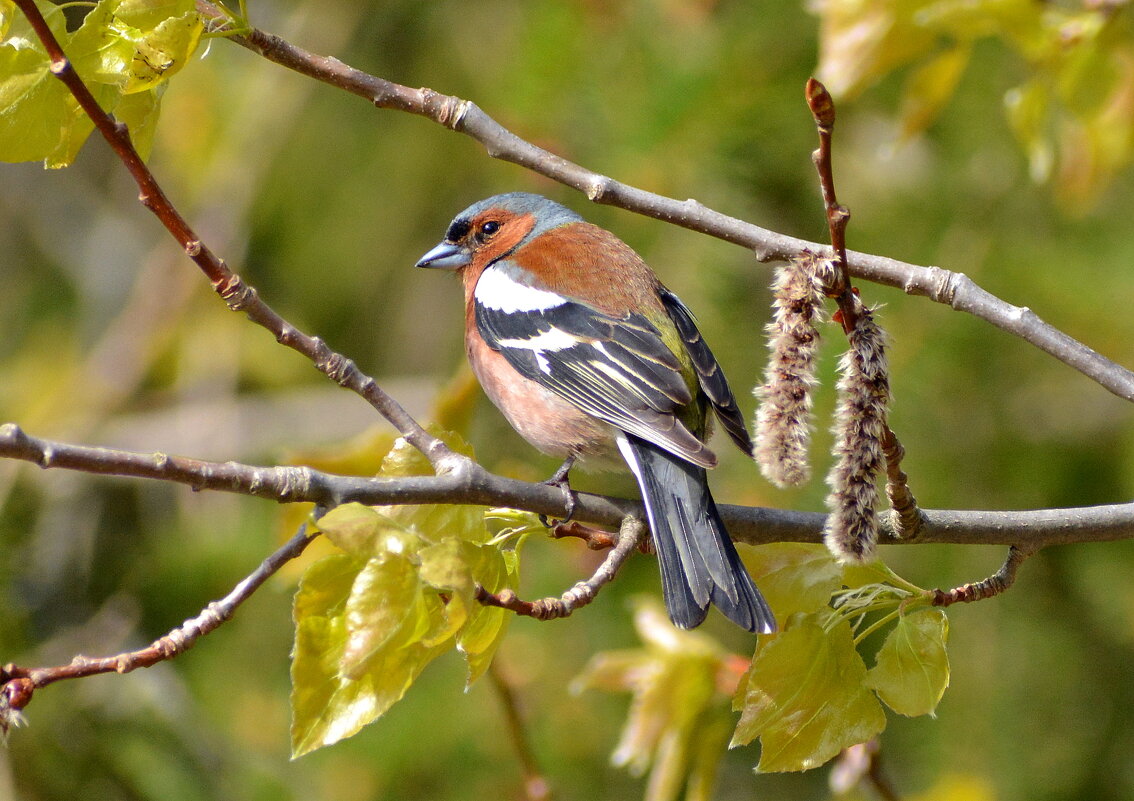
{"points": [[990, 587], [752, 525], [18, 684], [943, 286], [238, 295], [631, 533]]}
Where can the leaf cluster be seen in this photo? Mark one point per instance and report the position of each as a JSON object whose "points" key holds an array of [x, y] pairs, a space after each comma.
{"points": [[402, 592], [806, 693], [124, 50]]}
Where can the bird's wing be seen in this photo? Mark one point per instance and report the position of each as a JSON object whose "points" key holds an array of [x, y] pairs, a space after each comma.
{"points": [[617, 369], [709, 373]]}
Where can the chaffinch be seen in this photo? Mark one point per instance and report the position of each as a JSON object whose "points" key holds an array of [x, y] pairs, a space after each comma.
{"points": [[590, 357]]}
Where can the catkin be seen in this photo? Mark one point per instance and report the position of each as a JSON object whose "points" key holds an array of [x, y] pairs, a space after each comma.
{"points": [[860, 422], [783, 418]]}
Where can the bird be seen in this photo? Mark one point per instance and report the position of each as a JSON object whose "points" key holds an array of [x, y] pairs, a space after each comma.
{"points": [[591, 358]]}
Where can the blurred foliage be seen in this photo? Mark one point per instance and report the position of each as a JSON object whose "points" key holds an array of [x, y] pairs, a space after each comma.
{"points": [[1072, 112], [110, 337]]}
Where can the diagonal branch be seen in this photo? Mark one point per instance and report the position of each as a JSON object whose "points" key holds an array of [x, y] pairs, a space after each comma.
{"points": [[18, 684], [942, 286], [238, 295]]}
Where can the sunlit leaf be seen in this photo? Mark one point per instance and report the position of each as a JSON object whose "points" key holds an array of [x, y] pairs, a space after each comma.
{"points": [[383, 611], [121, 48], [805, 698], [793, 576], [340, 624], [911, 671], [38, 117], [860, 574], [432, 521], [365, 532]]}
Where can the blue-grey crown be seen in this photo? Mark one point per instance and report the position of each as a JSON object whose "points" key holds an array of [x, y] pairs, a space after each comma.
{"points": [[548, 213]]}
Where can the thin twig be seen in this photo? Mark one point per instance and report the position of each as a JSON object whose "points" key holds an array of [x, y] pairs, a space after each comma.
{"points": [[822, 107], [823, 112], [463, 116], [990, 587], [238, 295], [536, 787], [18, 684], [905, 515], [630, 535]]}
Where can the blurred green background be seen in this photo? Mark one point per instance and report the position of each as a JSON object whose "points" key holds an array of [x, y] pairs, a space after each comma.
{"points": [[109, 336]]}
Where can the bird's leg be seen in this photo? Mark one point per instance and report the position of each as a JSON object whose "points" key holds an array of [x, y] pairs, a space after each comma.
{"points": [[560, 478]]}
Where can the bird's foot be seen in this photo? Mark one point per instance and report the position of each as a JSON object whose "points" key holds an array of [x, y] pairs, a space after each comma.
{"points": [[561, 479]]}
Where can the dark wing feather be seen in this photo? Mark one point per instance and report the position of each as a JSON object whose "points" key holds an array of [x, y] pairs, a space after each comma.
{"points": [[618, 370], [709, 373]]}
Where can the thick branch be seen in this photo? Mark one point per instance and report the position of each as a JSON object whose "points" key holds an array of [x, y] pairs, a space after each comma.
{"points": [[953, 289], [753, 525]]}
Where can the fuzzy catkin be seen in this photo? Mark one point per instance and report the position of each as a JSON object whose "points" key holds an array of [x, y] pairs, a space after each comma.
{"points": [[860, 423], [783, 419]]}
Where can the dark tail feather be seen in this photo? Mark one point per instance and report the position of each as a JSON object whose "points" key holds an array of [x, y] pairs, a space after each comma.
{"points": [[699, 564]]}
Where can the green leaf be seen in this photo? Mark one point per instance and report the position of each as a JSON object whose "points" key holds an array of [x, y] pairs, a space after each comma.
{"points": [[793, 576], [458, 566], [432, 521], [383, 611], [403, 592], [355, 650], [858, 574], [912, 668], [364, 532], [805, 697], [121, 49], [38, 117]]}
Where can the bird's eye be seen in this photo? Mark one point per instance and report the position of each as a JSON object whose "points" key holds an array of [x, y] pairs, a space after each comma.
{"points": [[488, 229]]}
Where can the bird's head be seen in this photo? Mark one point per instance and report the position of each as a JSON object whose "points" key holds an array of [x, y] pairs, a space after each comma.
{"points": [[492, 228]]}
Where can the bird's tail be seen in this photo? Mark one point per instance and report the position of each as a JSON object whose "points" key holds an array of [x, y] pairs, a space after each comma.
{"points": [[699, 564]]}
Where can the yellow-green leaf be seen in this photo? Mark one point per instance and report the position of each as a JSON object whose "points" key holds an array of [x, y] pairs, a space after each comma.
{"points": [[432, 521], [676, 704], [793, 576], [383, 606], [343, 620], [805, 698], [911, 671], [365, 532]]}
